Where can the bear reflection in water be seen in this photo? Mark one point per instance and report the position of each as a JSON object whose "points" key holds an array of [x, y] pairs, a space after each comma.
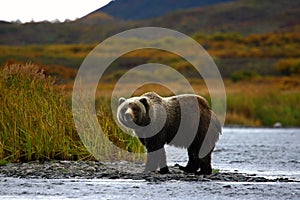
{"points": [[183, 121]]}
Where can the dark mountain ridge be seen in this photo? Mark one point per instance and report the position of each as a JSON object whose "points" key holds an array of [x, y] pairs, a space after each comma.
{"points": [[145, 9], [240, 16]]}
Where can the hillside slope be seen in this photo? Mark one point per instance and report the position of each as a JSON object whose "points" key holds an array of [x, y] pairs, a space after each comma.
{"points": [[242, 16], [145, 9]]}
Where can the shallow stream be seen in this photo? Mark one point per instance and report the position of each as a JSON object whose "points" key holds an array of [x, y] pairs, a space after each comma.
{"points": [[271, 153]]}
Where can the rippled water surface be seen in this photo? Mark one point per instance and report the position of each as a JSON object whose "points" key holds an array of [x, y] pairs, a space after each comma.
{"points": [[265, 152], [268, 152]]}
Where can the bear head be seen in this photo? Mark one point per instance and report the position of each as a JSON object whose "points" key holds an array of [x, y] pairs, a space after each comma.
{"points": [[134, 112]]}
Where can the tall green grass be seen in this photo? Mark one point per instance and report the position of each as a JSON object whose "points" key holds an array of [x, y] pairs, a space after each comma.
{"points": [[109, 142], [36, 121], [264, 108], [278, 106], [126, 141]]}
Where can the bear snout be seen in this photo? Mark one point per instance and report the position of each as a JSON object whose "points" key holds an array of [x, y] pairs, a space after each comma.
{"points": [[128, 116], [125, 119]]}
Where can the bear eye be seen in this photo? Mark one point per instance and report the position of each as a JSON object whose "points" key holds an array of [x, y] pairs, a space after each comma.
{"points": [[134, 109]]}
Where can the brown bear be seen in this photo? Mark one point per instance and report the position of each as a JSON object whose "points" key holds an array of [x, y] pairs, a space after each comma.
{"points": [[184, 121]]}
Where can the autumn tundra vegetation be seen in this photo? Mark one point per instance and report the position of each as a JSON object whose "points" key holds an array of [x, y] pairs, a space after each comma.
{"points": [[261, 74]]}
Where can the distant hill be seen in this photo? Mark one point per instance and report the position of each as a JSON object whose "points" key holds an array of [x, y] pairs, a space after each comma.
{"points": [[99, 18], [145, 9], [241, 16]]}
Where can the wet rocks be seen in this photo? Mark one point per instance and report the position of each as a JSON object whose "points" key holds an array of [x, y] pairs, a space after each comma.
{"points": [[117, 170]]}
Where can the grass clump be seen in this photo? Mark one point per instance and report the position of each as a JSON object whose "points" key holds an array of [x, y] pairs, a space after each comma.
{"points": [[35, 120], [215, 171], [100, 133], [3, 162], [125, 141]]}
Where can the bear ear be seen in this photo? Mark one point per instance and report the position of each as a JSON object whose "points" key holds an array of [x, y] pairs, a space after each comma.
{"points": [[144, 101], [121, 100]]}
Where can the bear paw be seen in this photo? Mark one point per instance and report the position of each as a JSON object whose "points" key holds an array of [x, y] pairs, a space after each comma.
{"points": [[205, 171], [187, 169], [164, 170]]}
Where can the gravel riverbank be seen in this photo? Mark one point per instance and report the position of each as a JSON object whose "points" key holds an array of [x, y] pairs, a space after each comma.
{"points": [[118, 170]]}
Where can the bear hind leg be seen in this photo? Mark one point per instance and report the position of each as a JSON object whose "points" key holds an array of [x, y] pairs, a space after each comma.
{"points": [[205, 165], [193, 164]]}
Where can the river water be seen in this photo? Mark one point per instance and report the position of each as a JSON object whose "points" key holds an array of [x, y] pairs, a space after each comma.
{"points": [[265, 152]]}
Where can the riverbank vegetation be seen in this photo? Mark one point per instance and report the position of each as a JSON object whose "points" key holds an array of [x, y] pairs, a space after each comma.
{"points": [[36, 120], [263, 101]]}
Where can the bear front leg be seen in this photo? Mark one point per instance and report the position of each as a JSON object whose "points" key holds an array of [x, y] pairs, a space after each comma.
{"points": [[163, 161], [151, 164], [157, 159]]}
